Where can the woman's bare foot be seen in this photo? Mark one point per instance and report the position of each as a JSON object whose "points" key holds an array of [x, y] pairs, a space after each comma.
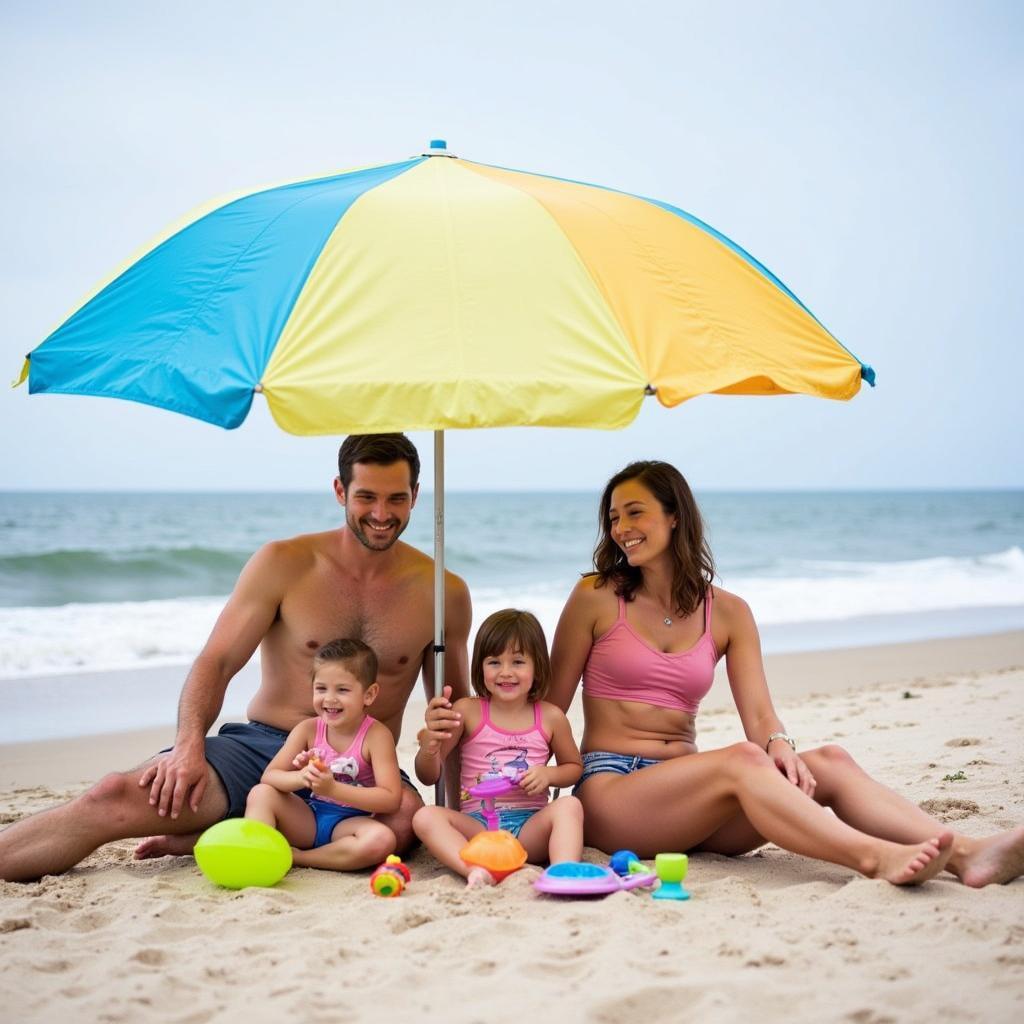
{"points": [[478, 877], [995, 859], [166, 846], [916, 863]]}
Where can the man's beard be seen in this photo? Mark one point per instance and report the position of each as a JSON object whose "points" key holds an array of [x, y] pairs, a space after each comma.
{"points": [[371, 540]]}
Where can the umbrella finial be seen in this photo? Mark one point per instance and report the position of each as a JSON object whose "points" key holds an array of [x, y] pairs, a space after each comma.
{"points": [[438, 147]]}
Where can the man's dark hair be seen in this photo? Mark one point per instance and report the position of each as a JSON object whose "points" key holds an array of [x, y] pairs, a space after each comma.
{"points": [[380, 450]]}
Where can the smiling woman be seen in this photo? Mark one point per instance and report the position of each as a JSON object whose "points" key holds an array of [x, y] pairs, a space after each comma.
{"points": [[644, 632]]}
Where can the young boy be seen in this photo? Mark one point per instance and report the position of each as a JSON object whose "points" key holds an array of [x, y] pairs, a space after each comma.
{"points": [[345, 758]]}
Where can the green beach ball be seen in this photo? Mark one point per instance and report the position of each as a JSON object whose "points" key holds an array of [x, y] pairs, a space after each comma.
{"points": [[238, 852]]}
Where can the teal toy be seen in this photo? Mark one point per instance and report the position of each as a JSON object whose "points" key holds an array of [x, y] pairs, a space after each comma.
{"points": [[671, 869], [241, 852]]}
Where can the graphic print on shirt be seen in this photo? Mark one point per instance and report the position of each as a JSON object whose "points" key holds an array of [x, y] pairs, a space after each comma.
{"points": [[505, 762], [344, 769]]}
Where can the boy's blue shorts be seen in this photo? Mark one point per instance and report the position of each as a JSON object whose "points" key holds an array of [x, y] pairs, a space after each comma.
{"points": [[240, 753], [328, 815]]}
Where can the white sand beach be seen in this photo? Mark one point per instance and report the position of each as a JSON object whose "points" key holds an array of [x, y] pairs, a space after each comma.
{"points": [[767, 937]]}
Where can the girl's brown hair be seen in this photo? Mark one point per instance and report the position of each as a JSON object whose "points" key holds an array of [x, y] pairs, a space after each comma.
{"points": [[520, 631], [693, 567]]}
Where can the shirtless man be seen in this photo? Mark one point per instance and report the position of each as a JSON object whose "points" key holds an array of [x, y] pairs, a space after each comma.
{"points": [[292, 596]]}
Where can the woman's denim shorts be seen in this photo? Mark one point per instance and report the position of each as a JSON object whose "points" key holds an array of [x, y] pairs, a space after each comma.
{"points": [[597, 762]]}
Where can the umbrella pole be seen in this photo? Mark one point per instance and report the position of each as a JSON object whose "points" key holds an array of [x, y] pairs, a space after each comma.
{"points": [[439, 795]]}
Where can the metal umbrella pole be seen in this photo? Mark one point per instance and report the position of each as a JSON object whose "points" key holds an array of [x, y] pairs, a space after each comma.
{"points": [[439, 795]]}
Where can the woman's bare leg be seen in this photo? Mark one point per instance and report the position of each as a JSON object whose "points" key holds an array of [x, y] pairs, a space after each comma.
{"points": [[444, 833], [866, 804], [679, 804]]}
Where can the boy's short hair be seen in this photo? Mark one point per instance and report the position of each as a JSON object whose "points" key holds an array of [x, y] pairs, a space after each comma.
{"points": [[521, 631], [358, 658]]}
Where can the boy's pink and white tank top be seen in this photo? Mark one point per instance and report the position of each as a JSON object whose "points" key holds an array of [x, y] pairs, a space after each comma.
{"points": [[492, 751], [348, 765]]}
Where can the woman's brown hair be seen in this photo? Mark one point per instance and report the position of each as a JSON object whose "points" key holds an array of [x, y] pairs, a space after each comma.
{"points": [[693, 567], [520, 631]]}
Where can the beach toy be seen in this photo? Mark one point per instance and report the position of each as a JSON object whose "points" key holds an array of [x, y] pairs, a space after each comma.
{"points": [[671, 868], [498, 852], [240, 852], [487, 791], [317, 762], [390, 878], [575, 878], [626, 862]]}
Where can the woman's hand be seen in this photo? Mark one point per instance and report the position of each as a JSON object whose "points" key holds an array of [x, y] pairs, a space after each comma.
{"points": [[535, 780], [789, 762]]}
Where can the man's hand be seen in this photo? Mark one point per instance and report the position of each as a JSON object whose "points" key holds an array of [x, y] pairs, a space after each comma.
{"points": [[535, 780], [439, 719], [179, 775]]}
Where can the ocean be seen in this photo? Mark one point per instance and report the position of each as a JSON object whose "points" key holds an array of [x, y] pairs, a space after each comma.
{"points": [[90, 582]]}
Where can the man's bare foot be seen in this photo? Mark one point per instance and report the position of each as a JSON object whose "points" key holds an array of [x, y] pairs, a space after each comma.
{"points": [[914, 863], [166, 846], [994, 859], [478, 877]]}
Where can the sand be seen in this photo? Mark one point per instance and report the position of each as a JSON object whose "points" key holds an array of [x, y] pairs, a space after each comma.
{"points": [[767, 937]]}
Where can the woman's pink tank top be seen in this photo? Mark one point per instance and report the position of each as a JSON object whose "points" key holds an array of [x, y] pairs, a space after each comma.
{"points": [[624, 666]]}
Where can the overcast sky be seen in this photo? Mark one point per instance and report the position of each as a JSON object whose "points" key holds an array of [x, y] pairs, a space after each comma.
{"points": [[869, 154]]}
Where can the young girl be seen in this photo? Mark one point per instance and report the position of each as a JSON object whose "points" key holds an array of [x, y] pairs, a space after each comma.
{"points": [[346, 758], [507, 730]]}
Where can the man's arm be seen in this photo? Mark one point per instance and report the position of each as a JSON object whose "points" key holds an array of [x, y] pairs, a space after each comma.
{"points": [[243, 623]]}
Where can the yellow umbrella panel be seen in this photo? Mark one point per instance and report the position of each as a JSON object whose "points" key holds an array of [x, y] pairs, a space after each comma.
{"points": [[440, 293]]}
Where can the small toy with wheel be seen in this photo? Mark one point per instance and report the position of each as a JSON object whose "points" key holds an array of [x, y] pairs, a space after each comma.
{"points": [[391, 878]]}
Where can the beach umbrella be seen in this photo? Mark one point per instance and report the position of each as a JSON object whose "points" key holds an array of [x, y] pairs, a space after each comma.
{"points": [[439, 293]]}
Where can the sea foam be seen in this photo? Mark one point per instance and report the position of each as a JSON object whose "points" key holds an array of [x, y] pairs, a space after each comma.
{"points": [[99, 636]]}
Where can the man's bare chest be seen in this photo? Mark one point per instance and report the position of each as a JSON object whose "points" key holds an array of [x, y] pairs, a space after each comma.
{"points": [[396, 620]]}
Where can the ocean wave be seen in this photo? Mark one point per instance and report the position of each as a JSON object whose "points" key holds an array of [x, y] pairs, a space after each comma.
{"points": [[86, 575], [101, 636], [85, 637], [831, 590]]}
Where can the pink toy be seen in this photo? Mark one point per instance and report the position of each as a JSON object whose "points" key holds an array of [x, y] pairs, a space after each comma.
{"points": [[575, 878], [487, 790]]}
